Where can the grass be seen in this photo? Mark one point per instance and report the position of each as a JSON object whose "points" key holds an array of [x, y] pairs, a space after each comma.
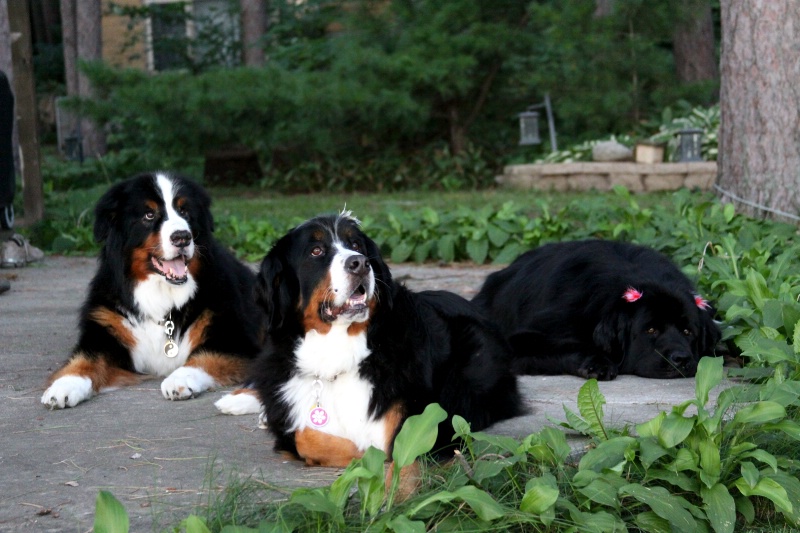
{"points": [[254, 204]]}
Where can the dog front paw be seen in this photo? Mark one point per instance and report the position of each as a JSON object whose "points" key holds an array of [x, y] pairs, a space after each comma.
{"points": [[598, 368], [239, 403], [67, 391], [186, 382]]}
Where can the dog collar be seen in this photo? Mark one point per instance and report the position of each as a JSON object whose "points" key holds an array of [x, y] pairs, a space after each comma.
{"points": [[170, 347], [318, 416]]}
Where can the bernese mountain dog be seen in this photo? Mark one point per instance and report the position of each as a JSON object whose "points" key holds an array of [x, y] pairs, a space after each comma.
{"points": [[166, 300], [351, 353], [596, 309]]}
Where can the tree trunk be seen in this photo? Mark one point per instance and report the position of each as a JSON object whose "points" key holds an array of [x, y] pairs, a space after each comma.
{"points": [[693, 44], [25, 111], [89, 47], [760, 107], [458, 131], [70, 44], [254, 25], [5, 42], [603, 8]]}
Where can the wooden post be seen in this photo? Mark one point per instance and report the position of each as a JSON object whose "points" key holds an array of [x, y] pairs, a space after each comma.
{"points": [[25, 95]]}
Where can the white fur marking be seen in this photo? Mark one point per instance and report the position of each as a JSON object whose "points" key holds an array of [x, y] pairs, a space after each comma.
{"points": [[334, 358], [186, 382], [67, 391], [155, 296], [148, 352], [243, 403], [173, 221]]}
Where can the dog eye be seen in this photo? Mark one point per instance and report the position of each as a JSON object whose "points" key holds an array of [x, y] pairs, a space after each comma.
{"points": [[149, 216], [182, 210], [687, 333], [652, 331], [355, 246], [317, 251]]}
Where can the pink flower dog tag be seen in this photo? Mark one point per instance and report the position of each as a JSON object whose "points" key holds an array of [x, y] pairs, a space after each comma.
{"points": [[318, 417]]}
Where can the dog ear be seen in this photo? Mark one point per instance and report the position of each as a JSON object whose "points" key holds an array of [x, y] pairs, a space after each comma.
{"points": [[611, 333], [710, 334], [106, 212], [383, 276], [272, 291]]}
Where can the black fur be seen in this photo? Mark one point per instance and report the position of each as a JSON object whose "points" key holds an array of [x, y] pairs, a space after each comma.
{"points": [[426, 347], [561, 307]]}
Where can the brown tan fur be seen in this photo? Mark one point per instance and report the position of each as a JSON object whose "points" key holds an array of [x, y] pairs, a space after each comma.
{"points": [[311, 318], [321, 449], [140, 258], [99, 371], [224, 369], [114, 323], [197, 332]]}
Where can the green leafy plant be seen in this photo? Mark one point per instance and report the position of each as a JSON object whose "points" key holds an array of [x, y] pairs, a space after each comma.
{"points": [[693, 472]]}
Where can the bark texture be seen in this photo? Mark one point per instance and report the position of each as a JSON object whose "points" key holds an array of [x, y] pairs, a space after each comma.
{"points": [[759, 156], [254, 25], [693, 45]]}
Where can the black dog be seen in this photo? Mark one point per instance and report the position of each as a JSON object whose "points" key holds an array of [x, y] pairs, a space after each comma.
{"points": [[597, 309], [351, 354]]}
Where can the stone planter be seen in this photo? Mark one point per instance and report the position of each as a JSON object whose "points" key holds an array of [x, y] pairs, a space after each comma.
{"points": [[636, 177]]}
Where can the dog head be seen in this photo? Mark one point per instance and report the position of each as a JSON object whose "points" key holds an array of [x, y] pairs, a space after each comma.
{"points": [[154, 223], [657, 333], [323, 272]]}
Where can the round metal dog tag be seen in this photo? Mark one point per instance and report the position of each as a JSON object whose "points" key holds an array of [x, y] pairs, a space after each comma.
{"points": [[170, 349], [318, 417]]}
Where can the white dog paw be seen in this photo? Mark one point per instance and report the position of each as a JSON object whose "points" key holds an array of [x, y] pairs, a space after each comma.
{"points": [[243, 403], [67, 391], [186, 382]]}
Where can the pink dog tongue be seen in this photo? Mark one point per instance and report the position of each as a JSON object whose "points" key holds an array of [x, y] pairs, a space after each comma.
{"points": [[174, 268], [177, 266]]}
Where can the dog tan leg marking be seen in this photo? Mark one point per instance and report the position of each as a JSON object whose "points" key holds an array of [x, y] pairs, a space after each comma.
{"points": [[225, 369], [114, 324], [410, 481], [197, 331], [392, 421], [98, 370], [321, 449]]}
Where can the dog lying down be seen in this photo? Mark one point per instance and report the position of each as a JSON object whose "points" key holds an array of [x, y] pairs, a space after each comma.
{"points": [[596, 309], [351, 353]]}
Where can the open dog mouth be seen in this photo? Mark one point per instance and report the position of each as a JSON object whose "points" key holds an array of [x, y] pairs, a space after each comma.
{"points": [[355, 303], [173, 270]]}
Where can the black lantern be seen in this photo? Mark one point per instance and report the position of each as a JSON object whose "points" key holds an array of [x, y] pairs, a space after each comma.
{"points": [[690, 143], [529, 124]]}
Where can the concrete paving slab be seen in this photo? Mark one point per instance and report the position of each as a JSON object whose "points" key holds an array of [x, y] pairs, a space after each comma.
{"points": [[161, 458]]}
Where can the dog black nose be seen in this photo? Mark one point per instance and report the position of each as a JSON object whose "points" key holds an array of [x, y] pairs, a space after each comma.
{"points": [[681, 359], [180, 238], [357, 265]]}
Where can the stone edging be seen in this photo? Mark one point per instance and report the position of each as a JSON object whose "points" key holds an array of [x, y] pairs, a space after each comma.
{"points": [[636, 177]]}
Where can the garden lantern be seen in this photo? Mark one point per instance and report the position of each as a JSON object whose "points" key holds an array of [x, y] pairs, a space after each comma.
{"points": [[690, 143], [529, 128], [529, 124]]}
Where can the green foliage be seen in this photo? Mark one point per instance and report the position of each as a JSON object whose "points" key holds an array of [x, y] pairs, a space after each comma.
{"points": [[348, 83], [110, 515], [663, 130], [701, 466], [704, 118]]}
